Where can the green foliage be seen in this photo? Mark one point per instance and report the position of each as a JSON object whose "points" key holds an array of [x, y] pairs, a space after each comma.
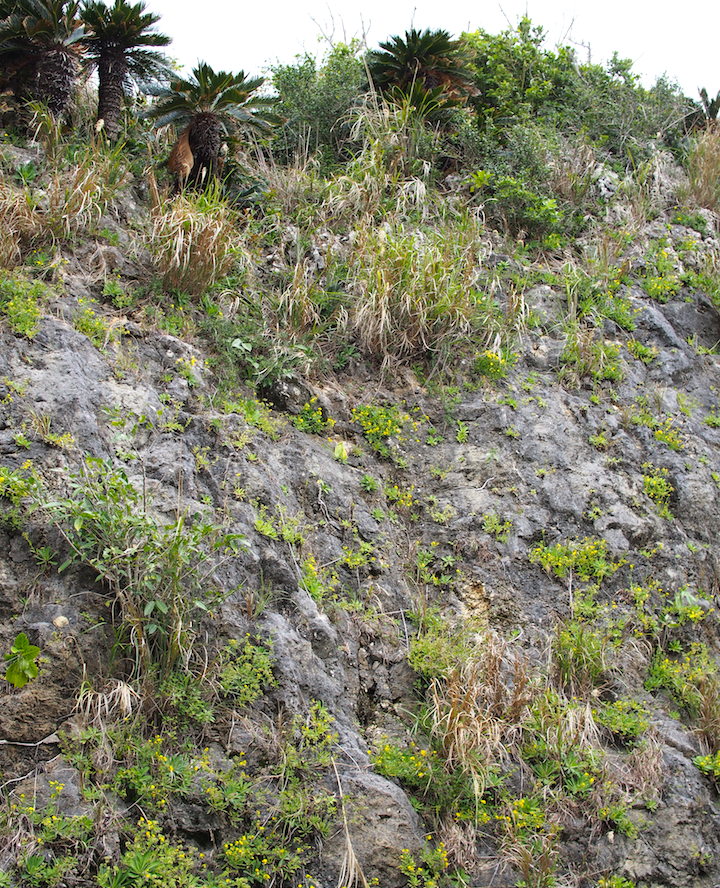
{"points": [[682, 675], [522, 211], [615, 882], [378, 424], [430, 871], [152, 860], [20, 665], [661, 280], [256, 414], [425, 71], [21, 303], [231, 99], [319, 582], [644, 353], [180, 693], [438, 646], [493, 365], [495, 526], [709, 765], [312, 419], [658, 488], [587, 558], [586, 355], [369, 483], [94, 326], [160, 574], [515, 77], [616, 816], [626, 720], [315, 103], [246, 670]]}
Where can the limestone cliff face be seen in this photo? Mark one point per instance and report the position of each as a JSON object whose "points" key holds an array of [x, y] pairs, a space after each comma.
{"points": [[354, 547]]}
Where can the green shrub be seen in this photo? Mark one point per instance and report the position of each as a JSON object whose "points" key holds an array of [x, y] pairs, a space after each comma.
{"points": [[315, 103], [158, 573]]}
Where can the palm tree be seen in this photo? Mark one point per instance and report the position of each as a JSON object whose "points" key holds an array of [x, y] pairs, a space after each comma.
{"points": [[428, 59], [40, 44], [211, 105], [116, 41]]}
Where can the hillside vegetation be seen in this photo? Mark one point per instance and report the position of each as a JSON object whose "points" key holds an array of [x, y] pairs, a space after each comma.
{"points": [[358, 479]]}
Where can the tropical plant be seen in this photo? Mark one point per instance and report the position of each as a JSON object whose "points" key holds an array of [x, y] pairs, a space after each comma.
{"points": [[116, 42], [710, 106], [430, 58], [40, 44], [211, 105], [428, 67]]}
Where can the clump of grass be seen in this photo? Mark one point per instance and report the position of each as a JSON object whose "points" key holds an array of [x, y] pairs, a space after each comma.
{"points": [[704, 169], [579, 656], [20, 224], [192, 240], [78, 196], [414, 295]]}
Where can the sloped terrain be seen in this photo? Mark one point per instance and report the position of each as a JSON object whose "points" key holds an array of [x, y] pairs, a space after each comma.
{"points": [[401, 623]]}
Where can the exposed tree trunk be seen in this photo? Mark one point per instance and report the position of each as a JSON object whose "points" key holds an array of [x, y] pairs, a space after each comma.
{"points": [[112, 71], [54, 79], [205, 137]]}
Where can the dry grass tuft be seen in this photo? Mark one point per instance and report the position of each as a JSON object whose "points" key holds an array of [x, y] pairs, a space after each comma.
{"points": [[21, 224], [477, 709], [704, 169], [193, 240], [413, 292], [77, 197]]}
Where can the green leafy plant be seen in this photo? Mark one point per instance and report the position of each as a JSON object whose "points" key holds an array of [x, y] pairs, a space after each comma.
{"points": [[159, 574], [246, 669], [20, 664], [658, 488], [626, 720], [312, 419], [587, 558], [21, 303]]}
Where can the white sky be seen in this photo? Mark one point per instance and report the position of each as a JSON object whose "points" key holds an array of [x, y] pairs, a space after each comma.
{"points": [[680, 39]]}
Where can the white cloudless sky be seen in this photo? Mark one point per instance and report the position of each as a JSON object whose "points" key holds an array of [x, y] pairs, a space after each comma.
{"points": [[678, 38]]}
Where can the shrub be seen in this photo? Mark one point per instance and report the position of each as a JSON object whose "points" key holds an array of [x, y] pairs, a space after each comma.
{"points": [[157, 572], [315, 102]]}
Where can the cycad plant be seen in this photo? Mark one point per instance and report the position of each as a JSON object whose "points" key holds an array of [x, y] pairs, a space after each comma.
{"points": [[423, 63], [117, 40], [211, 105], [40, 44]]}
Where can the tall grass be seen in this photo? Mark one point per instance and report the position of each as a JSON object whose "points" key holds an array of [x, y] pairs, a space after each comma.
{"points": [[193, 240], [77, 196], [704, 169], [414, 292], [21, 223]]}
